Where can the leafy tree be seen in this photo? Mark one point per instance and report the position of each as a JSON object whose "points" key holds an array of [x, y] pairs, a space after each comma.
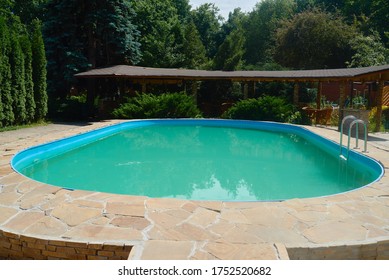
{"points": [[261, 23], [312, 40], [207, 21], [39, 72], [161, 33], [183, 9], [372, 14], [369, 51]]}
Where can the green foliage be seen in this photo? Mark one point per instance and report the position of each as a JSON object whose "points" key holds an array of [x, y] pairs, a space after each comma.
{"points": [[7, 116], [313, 40], [161, 32], [260, 26], [87, 34], [28, 79], [168, 105], [207, 21], [369, 51], [18, 102], [39, 72], [230, 53], [73, 108], [266, 108], [18, 86], [193, 49]]}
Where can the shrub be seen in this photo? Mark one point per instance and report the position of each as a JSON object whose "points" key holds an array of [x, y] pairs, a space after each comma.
{"points": [[73, 108], [266, 108], [168, 105]]}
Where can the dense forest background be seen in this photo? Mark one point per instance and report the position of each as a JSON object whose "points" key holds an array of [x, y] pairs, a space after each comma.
{"points": [[83, 34]]}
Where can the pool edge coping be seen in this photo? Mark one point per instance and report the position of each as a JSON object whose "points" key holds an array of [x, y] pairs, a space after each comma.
{"points": [[371, 191]]}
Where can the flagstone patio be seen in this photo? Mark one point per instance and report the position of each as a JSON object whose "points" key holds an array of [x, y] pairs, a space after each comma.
{"points": [[39, 221]]}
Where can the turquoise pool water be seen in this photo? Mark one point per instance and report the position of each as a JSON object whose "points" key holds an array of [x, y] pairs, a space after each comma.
{"points": [[199, 160]]}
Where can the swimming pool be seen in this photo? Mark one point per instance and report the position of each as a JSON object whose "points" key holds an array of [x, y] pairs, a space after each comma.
{"points": [[199, 160]]}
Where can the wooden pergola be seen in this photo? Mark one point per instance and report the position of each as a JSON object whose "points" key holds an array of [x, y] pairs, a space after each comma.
{"points": [[145, 75]]}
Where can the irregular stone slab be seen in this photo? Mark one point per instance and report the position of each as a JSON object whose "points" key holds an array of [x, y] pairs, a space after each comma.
{"points": [[233, 216], [103, 233], [131, 222], [6, 213], [164, 203], [119, 208], [74, 215], [229, 251], [167, 250], [237, 235], [23, 220], [203, 218], [335, 232], [9, 198], [276, 234], [164, 220], [48, 226]]}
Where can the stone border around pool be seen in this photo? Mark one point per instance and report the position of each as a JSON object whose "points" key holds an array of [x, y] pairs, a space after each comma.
{"points": [[39, 221]]}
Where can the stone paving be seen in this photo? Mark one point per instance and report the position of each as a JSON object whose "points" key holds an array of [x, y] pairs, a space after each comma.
{"points": [[353, 225]]}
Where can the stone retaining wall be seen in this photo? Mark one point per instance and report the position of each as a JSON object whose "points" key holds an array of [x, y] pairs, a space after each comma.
{"points": [[14, 246], [370, 251]]}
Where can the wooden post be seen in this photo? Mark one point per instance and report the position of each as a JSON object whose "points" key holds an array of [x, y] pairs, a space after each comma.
{"points": [[318, 96], [245, 90], [379, 106], [342, 99], [144, 87], [194, 91], [296, 93]]}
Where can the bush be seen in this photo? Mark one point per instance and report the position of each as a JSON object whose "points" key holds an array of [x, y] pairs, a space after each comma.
{"points": [[73, 108], [148, 106], [266, 108]]}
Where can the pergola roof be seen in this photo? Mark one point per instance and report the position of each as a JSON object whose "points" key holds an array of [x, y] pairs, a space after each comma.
{"points": [[363, 74]]}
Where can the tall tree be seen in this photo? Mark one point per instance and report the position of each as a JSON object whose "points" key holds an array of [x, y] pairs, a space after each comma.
{"points": [[314, 39], [86, 34], [28, 10], [260, 26], [230, 53], [28, 80], [369, 51], [6, 111], [207, 20], [193, 49], [161, 31], [39, 72], [18, 89]]}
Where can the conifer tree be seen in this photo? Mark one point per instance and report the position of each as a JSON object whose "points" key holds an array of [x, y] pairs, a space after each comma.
{"points": [[80, 35], [28, 82], [6, 115], [39, 71], [18, 89]]}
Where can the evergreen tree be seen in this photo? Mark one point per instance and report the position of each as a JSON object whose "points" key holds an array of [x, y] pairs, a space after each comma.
{"points": [[6, 114], [80, 35], [230, 53], [193, 48], [39, 71], [207, 22], [18, 89], [28, 81]]}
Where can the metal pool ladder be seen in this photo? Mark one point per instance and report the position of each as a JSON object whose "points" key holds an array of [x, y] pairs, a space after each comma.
{"points": [[354, 121]]}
